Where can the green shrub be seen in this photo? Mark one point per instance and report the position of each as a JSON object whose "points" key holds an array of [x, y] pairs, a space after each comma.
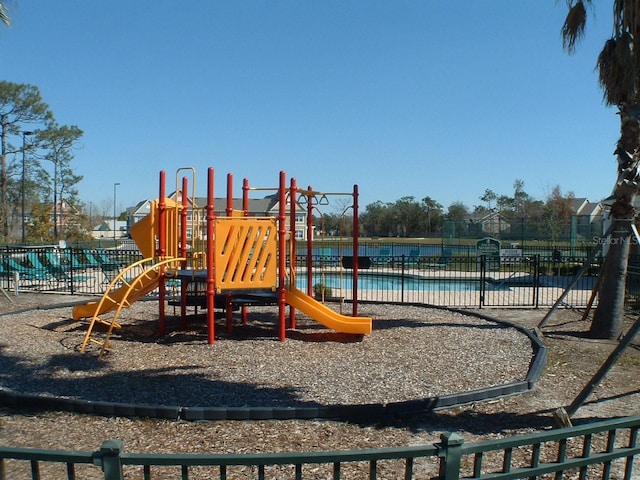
{"points": [[320, 289]]}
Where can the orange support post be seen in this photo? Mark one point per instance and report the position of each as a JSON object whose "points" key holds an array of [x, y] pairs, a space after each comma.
{"points": [[245, 210], [228, 304]]}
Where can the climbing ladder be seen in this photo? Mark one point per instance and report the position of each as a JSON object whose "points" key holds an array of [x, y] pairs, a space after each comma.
{"points": [[121, 293]]}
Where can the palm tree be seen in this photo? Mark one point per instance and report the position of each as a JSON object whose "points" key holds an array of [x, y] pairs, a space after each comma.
{"points": [[4, 17], [619, 77]]}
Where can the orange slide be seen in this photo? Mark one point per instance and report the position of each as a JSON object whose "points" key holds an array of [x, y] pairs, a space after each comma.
{"points": [[145, 283], [144, 233], [324, 315]]}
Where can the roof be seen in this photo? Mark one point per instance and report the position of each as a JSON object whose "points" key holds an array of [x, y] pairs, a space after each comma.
{"points": [[108, 226], [591, 208], [485, 216], [257, 206], [577, 204]]}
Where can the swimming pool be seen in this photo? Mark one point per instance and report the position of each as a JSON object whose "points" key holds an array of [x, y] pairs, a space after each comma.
{"points": [[398, 282]]}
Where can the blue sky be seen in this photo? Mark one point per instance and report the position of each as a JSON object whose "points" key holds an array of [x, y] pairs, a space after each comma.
{"points": [[404, 98]]}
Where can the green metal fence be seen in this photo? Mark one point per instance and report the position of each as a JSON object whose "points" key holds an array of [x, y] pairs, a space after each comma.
{"points": [[605, 450]]}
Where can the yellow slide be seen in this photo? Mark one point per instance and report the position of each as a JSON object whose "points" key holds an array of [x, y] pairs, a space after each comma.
{"points": [[144, 284], [323, 314]]}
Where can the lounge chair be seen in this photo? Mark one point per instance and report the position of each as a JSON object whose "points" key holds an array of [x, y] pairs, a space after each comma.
{"points": [[53, 260], [71, 261], [90, 260], [26, 272], [35, 261], [63, 272], [326, 257], [384, 257], [413, 258], [110, 271], [103, 258], [54, 271]]}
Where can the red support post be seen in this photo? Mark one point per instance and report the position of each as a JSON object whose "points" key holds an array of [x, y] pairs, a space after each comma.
{"points": [[162, 242], [229, 209], [228, 306], [310, 200], [245, 197], [282, 247], [356, 247], [211, 217]]}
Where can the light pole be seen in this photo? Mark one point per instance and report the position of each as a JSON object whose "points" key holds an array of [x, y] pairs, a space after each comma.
{"points": [[114, 210], [22, 188]]}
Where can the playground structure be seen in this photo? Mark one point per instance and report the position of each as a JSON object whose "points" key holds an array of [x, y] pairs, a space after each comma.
{"points": [[221, 261]]}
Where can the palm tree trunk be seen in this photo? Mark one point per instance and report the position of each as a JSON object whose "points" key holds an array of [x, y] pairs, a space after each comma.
{"points": [[607, 321], [4, 208]]}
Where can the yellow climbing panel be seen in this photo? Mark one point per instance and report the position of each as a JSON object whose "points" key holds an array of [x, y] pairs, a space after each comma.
{"points": [[246, 253]]}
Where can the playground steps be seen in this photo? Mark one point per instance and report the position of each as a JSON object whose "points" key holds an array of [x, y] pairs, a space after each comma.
{"points": [[103, 344], [90, 335], [121, 293], [123, 297]]}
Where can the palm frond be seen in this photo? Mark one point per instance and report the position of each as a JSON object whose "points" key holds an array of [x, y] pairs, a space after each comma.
{"points": [[4, 16], [574, 25], [626, 16], [615, 76]]}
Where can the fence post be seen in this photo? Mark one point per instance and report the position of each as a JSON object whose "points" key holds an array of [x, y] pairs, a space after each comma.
{"points": [[483, 278], [110, 460], [402, 280], [536, 280], [450, 453], [71, 270]]}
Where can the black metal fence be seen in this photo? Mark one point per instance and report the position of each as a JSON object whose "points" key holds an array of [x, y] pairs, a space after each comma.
{"points": [[62, 270], [446, 279], [456, 281]]}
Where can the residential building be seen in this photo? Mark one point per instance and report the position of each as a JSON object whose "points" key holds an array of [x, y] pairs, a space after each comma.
{"points": [[258, 207]]}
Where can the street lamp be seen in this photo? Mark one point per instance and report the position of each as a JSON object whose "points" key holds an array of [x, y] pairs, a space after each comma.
{"points": [[24, 168], [114, 210]]}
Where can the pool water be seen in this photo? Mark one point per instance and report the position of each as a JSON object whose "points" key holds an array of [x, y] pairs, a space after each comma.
{"points": [[397, 282]]}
